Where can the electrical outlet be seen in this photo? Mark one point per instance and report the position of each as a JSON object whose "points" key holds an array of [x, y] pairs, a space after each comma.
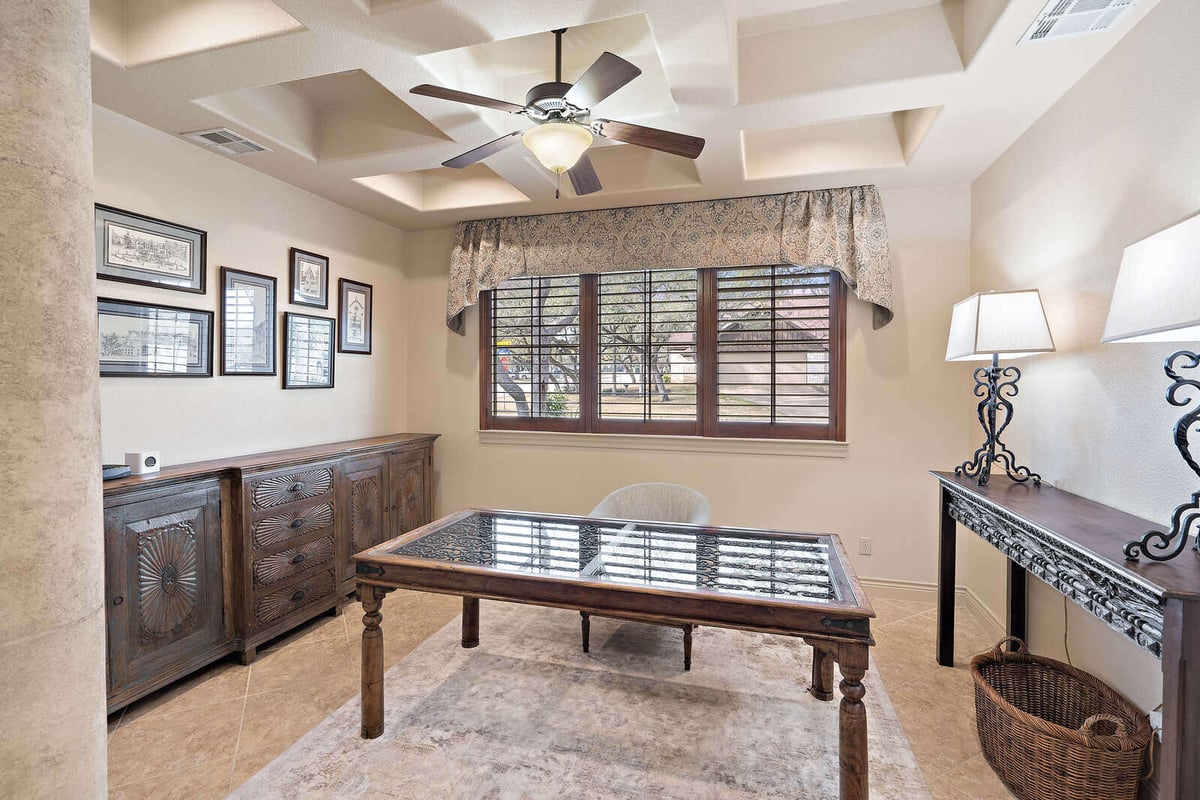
{"points": [[864, 545]]}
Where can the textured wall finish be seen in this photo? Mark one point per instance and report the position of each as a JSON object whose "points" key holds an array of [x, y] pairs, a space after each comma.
{"points": [[1114, 161], [52, 724], [251, 220]]}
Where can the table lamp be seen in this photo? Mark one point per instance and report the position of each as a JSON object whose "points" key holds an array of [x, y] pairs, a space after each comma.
{"points": [[986, 326], [1157, 299]]}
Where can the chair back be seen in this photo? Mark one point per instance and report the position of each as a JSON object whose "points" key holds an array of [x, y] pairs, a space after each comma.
{"points": [[656, 502]]}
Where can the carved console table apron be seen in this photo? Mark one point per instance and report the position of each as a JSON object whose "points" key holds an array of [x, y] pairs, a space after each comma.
{"points": [[1075, 546]]}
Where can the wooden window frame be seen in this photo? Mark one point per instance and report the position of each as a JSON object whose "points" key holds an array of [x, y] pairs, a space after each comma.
{"points": [[707, 422]]}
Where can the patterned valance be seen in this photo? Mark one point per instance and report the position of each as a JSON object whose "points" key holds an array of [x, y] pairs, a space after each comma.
{"points": [[829, 229]]}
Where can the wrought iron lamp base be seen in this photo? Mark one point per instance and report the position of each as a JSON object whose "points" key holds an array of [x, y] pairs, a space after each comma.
{"points": [[1157, 545], [995, 386]]}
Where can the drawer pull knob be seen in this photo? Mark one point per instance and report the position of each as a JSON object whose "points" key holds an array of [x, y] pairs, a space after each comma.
{"points": [[296, 487], [298, 595], [118, 600], [298, 522], [296, 559]]}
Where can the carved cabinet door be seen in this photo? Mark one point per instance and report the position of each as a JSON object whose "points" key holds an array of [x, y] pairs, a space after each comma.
{"points": [[411, 495], [365, 510], [163, 584]]}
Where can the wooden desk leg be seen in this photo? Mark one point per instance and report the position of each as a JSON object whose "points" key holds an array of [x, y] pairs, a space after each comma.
{"points": [[822, 671], [1016, 602], [947, 544], [852, 724], [470, 622], [372, 661], [1181, 700]]}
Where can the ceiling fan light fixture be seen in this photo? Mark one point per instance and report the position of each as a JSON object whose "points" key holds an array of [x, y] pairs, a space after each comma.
{"points": [[557, 145]]}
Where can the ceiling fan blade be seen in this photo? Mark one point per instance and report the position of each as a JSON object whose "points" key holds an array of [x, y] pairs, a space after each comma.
{"points": [[483, 151], [606, 74], [466, 97], [678, 143], [583, 176]]}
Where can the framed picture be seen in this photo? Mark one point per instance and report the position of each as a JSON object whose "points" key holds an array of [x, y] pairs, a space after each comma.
{"points": [[307, 351], [354, 317], [310, 278], [134, 248], [138, 340], [247, 323]]}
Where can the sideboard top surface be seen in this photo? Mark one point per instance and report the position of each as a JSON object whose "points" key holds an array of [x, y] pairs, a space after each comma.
{"points": [[1095, 527], [263, 461]]}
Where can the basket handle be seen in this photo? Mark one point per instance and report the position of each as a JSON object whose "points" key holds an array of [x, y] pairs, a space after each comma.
{"points": [[998, 650], [1087, 728]]}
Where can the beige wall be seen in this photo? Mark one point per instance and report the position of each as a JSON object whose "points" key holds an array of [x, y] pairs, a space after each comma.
{"points": [[252, 220], [907, 413], [1115, 160]]}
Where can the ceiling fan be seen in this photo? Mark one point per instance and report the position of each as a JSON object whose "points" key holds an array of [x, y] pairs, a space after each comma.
{"points": [[563, 126]]}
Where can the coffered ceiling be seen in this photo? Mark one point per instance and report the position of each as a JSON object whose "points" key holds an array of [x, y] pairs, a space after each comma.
{"points": [[789, 94]]}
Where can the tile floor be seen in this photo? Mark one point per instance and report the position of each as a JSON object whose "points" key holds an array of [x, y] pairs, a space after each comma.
{"points": [[205, 735]]}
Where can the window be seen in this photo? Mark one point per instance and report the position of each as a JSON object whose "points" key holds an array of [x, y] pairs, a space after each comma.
{"points": [[742, 352]]}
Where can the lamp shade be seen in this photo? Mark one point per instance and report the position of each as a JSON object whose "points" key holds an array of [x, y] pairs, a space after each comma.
{"points": [[1157, 296], [558, 145], [1012, 324]]}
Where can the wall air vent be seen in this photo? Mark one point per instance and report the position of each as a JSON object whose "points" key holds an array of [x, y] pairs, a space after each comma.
{"points": [[225, 141], [1075, 17]]}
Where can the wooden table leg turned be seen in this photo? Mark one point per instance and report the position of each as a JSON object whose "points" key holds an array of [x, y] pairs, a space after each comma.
{"points": [[852, 724], [470, 622], [822, 672], [687, 647], [372, 661]]}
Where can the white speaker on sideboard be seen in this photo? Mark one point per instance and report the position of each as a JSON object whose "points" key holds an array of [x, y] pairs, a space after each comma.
{"points": [[142, 463]]}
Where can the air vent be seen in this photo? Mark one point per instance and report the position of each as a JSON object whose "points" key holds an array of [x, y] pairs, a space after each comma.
{"points": [[225, 141], [1075, 17]]}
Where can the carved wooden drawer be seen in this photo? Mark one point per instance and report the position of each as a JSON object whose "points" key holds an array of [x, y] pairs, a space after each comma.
{"points": [[289, 487], [281, 602], [292, 523], [293, 561]]}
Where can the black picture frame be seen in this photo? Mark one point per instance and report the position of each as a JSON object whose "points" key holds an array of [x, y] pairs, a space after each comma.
{"points": [[305, 288], [144, 250], [173, 342], [248, 306], [354, 316], [307, 348]]}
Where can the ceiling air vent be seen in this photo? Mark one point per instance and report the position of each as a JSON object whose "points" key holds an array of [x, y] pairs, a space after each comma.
{"points": [[1075, 17], [225, 141]]}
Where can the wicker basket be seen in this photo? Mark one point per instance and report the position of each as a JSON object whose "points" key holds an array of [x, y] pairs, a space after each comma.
{"points": [[1053, 732]]}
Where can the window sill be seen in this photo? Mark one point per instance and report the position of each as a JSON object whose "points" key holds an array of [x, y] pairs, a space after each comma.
{"points": [[808, 448]]}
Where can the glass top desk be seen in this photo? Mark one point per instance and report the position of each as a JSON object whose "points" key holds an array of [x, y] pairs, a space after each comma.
{"points": [[792, 584]]}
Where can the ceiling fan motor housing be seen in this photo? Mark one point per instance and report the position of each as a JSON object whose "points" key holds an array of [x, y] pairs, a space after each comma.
{"points": [[545, 101]]}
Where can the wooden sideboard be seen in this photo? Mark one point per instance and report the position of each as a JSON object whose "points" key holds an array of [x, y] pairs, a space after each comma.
{"points": [[1075, 546], [218, 557]]}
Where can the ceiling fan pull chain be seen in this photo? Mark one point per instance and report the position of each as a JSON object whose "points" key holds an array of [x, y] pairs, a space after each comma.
{"points": [[558, 184]]}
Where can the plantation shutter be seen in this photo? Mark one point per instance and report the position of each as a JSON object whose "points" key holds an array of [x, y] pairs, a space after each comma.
{"points": [[773, 347], [647, 346]]}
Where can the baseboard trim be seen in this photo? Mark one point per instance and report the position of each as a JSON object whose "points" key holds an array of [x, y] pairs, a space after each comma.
{"points": [[922, 592]]}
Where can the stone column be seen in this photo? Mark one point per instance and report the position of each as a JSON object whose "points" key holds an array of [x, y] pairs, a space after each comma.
{"points": [[52, 684]]}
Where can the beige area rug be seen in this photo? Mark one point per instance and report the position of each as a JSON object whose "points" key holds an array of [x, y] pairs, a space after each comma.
{"points": [[528, 715]]}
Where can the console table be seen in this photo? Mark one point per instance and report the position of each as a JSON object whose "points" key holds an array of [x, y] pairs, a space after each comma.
{"points": [[1074, 545]]}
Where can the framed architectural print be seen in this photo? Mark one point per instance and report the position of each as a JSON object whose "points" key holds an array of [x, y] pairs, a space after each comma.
{"points": [[354, 317], [134, 248], [247, 323], [139, 340], [310, 278], [307, 351]]}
